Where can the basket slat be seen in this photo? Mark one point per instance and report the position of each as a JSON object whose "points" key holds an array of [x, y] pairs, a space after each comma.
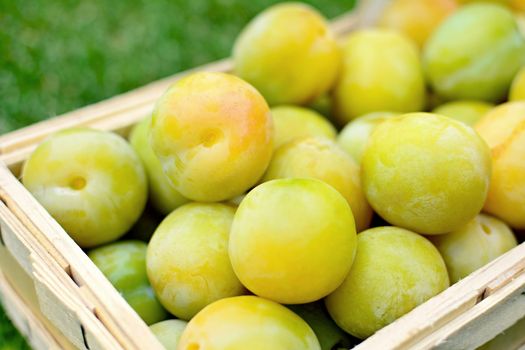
{"points": [[434, 320], [33, 224], [25, 320], [54, 289]]}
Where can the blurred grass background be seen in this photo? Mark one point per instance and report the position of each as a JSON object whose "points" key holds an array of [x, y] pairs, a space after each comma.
{"points": [[56, 56]]}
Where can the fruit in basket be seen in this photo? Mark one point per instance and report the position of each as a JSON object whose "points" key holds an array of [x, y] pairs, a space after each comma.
{"points": [[517, 89], [91, 182], [475, 53], [162, 193], [417, 19], [474, 245], [394, 271], [124, 265], [247, 322], [288, 53], [355, 135], [169, 332], [468, 112], [320, 158], [213, 135], [426, 172], [381, 72], [504, 130], [187, 260], [330, 336], [292, 122], [292, 240]]}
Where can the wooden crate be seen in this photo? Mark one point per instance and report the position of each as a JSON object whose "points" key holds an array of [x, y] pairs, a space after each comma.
{"points": [[59, 299]]}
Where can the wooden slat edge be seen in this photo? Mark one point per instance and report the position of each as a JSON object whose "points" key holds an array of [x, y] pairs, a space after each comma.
{"points": [[448, 305], [124, 324], [478, 325], [55, 290], [68, 312], [23, 285], [22, 317]]}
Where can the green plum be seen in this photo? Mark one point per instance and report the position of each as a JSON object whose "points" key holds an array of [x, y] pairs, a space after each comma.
{"points": [[247, 322], [426, 172], [292, 240], [169, 332], [381, 72], [90, 181], [355, 135], [162, 194], [330, 336], [474, 245], [187, 260], [292, 122], [124, 265], [288, 53], [475, 53], [468, 112], [320, 158], [394, 271]]}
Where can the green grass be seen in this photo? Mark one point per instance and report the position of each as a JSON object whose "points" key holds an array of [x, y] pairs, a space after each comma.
{"points": [[56, 56]]}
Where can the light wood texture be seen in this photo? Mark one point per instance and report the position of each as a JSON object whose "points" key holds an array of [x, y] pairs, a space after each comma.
{"points": [[467, 314], [511, 339], [19, 299], [71, 290], [50, 285], [25, 320]]}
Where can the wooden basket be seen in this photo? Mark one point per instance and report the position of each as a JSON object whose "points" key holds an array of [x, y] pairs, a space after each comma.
{"points": [[58, 298]]}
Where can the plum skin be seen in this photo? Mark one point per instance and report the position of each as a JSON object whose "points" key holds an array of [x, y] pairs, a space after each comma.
{"points": [[394, 271], [124, 265], [292, 122], [504, 131], [212, 123], [91, 182], [247, 322], [474, 245], [187, 259], [517, 89], [417, 19], [169, 332], [475, 53], [355, 135], [288, 53], [320, 158], [162, 194], [426, 172], [381, 72], [289, 232], [468, 112]]}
